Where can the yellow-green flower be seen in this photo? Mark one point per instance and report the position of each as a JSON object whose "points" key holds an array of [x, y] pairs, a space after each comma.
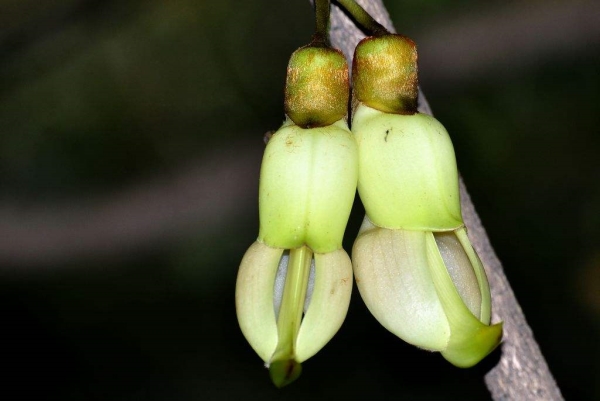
{"points": [[307, 185], [414, 265]]}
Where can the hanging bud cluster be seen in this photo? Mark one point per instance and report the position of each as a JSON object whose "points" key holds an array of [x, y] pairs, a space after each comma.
{"points": [[415, 267]]}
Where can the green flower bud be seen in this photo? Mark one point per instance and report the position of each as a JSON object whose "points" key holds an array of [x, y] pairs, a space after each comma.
{"points": [[415, 267], [307, 186], [317, 86]]}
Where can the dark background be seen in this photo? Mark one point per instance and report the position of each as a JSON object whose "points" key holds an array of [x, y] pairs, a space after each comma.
{"points": [[130, 142]]}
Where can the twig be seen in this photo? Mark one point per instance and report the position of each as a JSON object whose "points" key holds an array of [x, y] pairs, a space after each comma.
{"points": [[522, 372]]}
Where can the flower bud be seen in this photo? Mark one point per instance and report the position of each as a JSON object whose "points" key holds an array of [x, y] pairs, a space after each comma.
{"points": [[415, 267], [307, 187]]}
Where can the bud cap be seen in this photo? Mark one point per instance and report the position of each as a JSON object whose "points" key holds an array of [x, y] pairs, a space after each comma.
{"points": [[384, 74], [317, 86]]}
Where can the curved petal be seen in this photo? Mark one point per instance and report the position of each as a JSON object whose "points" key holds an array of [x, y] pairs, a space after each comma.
{"points": [[254, 298], [484, 287], [460, 269], [470, 340], [394, 281], [328, 305]]}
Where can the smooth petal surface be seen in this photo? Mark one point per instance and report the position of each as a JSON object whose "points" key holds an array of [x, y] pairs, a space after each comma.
{"points": [[254, 298], [307, 187], [470, 339], [396, 284], [407, 171], [484, 287], [460, 269], [328, 305]]}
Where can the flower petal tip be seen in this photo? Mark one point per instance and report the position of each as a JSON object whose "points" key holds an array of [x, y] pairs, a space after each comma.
{"points": [[284, 372], [466, 354]]}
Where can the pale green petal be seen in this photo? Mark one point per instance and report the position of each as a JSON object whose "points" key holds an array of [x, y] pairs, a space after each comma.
{"points": [[254, 298], [394, 281], [407, 171], [328, 305], [484, 287], [283, 365], [470, 340], [307, 187], [460, 269]]}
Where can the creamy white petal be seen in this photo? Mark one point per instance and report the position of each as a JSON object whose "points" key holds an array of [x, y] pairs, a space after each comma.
{"points": [[254, 298], [394, 281], [329, 303]]}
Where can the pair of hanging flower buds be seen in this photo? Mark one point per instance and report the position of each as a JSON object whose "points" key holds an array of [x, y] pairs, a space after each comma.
{"points": [[415, 267]]}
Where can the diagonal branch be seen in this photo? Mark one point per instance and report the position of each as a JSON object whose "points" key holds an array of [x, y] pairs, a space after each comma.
{"points": [[522, 372]]}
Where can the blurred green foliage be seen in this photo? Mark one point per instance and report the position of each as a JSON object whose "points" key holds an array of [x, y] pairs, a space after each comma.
{"points": [[97, 95]]}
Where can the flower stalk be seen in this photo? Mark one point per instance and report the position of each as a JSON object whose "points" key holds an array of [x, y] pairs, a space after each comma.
{"points": [[322, 16], [363, 17]]}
